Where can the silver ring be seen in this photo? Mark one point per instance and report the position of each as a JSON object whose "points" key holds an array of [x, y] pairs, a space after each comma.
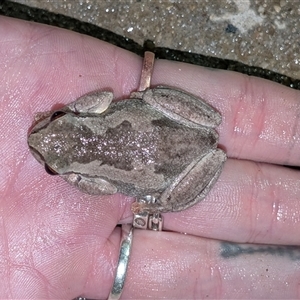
{"points": [[124, 256]]}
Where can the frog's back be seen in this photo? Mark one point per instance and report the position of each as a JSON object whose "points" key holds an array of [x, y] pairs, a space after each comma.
{"points": [[152, 148]]}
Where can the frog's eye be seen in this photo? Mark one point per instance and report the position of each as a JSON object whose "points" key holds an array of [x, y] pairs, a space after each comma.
{"points": [[56, 115], [50, 170]]}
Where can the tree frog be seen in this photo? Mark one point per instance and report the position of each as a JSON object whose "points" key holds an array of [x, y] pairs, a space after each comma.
{"points": [[159, 142]]}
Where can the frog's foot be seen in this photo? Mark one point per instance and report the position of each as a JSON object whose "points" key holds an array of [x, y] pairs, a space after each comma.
{"points": [[137, 207], [194, 183], [90, 185], [147, 204], [92, 103]]}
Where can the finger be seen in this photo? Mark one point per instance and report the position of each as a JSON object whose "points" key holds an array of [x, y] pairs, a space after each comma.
{"points": [[162, 264], [259, 117], [255, 203], [175, 266], [251, 202]]}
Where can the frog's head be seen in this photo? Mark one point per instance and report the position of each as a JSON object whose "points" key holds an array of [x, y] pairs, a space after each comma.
{"points": [[41, 140]]}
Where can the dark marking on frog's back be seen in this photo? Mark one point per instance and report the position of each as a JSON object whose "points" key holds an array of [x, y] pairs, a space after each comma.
{"points": [[123, 147], [179, 145]]}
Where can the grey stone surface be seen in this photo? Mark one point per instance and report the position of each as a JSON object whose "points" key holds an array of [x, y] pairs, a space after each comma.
{"points": [[262, 33]]}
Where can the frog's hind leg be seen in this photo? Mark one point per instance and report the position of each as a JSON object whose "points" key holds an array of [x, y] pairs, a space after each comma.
{"points": [[180, 106], [193, 184]]}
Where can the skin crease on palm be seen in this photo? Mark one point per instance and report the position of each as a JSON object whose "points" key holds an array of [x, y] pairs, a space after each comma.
{"points": [[56, 242]]}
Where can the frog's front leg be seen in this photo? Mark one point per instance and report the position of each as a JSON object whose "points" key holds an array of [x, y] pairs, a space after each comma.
{"points": [[191, 186], [92, 103], [90, 185], [180, 106]]}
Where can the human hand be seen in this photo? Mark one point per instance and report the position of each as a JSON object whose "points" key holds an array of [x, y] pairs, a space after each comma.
{"points": [[56, 242]]}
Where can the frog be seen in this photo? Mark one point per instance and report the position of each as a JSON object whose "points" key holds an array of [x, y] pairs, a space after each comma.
{"points": [[161, 142]]}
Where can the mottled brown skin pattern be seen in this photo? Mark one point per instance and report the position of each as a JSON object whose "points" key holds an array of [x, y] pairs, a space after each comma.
{"points": [[127, 146]]}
